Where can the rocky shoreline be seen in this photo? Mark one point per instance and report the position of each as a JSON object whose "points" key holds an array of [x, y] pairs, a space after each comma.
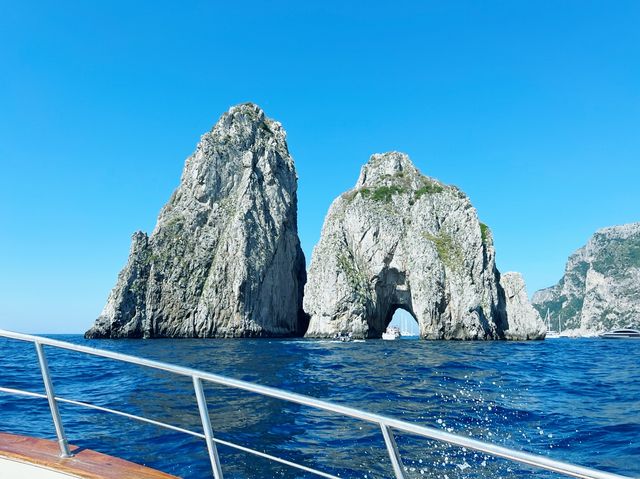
{"points": [[600, 289]]}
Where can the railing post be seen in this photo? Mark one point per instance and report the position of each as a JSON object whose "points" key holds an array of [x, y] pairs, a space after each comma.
{"points": [[53, 404], [206, 425], [392, 449]]}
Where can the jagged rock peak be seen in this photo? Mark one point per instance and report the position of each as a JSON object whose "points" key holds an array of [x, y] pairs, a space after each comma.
{"points": [[620, 232], [383, 166], [600, 288], [224, 258], [400, 239], [524, 320]]}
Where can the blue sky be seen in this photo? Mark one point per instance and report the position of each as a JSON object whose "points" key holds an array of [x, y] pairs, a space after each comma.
{"points": [[531, 107]]}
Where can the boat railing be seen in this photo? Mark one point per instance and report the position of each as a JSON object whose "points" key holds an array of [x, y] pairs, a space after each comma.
{"points": [[388, 426]]}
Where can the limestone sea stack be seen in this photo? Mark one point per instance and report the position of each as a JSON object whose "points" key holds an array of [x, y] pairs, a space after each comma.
{"points": [[600, 289], [523, 319], [224, 259], [402, 240]]}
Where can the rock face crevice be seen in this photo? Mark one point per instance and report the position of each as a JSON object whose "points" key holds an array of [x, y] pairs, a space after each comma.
{"points": [[600, 289], [224, 259], [399, 239]]}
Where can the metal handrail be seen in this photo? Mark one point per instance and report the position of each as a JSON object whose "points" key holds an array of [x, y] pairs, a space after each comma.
{"points": [[388, 425], [232, 445]]}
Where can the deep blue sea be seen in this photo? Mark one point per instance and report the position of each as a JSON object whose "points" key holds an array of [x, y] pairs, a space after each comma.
{"points": [[574, 400]]}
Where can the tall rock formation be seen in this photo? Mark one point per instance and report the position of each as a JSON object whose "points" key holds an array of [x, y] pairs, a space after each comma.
{"points": [[524, 320], [224, 259], [600, 289], [403, 240]]}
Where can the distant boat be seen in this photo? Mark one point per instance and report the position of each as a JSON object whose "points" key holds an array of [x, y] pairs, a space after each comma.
{"points": [[391, 333], [344, 337], [621, 334], [551, 334], [404, 328]]}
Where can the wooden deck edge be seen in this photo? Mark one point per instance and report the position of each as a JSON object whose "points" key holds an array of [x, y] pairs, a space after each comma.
{"points": [[85, 463]]}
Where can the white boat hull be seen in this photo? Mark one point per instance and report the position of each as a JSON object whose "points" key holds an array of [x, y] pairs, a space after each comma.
{"points": [[617, 336], [621, 334]]}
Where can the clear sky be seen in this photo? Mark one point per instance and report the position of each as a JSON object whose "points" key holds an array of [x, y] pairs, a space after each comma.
{"points": [[531, 107]]}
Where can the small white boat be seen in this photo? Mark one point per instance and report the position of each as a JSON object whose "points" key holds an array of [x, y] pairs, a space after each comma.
{"points": [[621, 334], [391, 333], [344, 337], [405, 330], [551, 334]]}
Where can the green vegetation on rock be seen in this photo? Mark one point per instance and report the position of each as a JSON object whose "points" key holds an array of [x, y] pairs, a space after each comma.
{"points": [[174, 225], [138, 286], [265, 127], [399, 183], [356, 279], [484, 232], [565, 313], [428, 189], [618, 256], [383, 193], [448, 252]]}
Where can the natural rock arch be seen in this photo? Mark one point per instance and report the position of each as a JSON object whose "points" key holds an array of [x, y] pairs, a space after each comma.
{"points": [[403, 240]]}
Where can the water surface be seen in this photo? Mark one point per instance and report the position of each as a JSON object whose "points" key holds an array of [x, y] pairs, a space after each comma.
{"points": [[574, 400]]}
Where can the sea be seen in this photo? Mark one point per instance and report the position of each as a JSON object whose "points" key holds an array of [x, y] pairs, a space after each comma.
{"points": [[575, 400]]}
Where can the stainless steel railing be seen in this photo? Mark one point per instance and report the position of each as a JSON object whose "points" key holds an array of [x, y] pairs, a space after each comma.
{"points": [[387, 425]]}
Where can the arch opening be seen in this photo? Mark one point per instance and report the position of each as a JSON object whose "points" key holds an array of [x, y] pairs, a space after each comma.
{"points": [[403, 319], [392, 293]]}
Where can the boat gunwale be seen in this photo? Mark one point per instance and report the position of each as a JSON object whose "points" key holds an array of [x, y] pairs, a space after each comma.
{"points": [[84, 464]]}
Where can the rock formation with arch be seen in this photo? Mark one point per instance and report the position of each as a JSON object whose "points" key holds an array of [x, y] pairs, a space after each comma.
{"points": [[399, 239]]}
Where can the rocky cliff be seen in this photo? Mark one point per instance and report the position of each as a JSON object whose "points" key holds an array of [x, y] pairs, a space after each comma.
{"points": [[600, 289], [224, 259], [402, 240]]}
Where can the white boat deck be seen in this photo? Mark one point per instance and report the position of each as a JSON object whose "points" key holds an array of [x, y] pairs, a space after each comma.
{"points": [[23, 470]]}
